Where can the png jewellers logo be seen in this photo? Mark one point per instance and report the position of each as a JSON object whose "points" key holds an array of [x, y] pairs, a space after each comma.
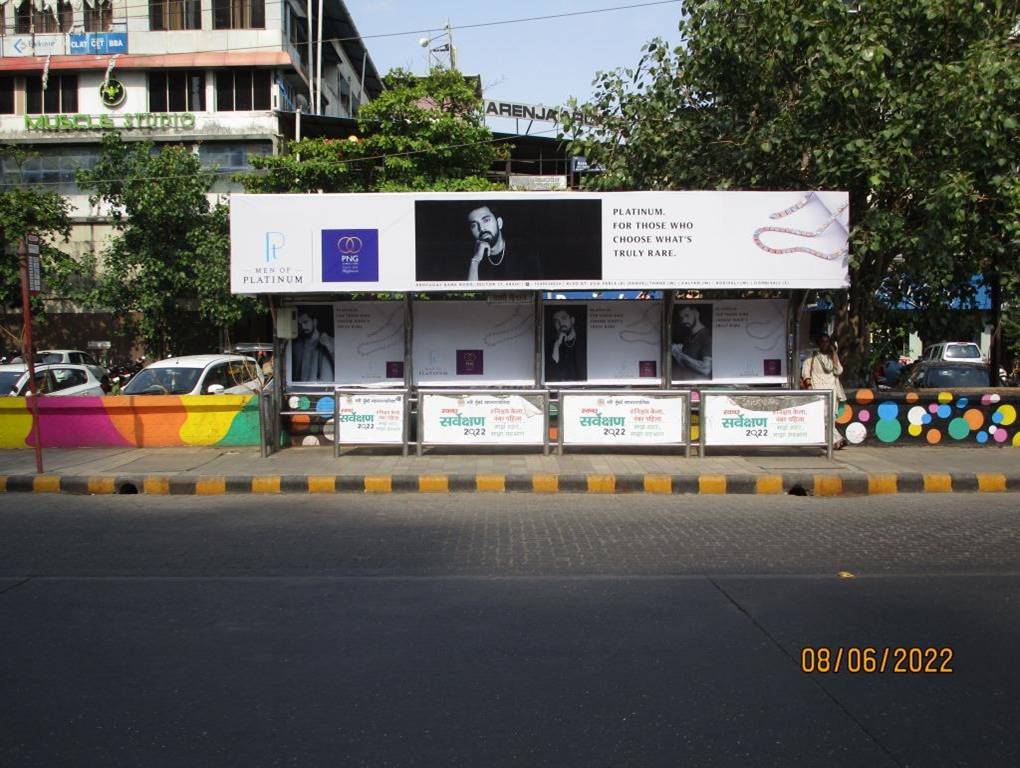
{"points": [[350, 255]]}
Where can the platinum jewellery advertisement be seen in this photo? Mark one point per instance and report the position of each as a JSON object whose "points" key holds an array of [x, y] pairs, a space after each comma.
{"points": [[623, 418], [483, 418], [602, 342], [538, 241], [474, 343], [766, 417], [729, 341]]}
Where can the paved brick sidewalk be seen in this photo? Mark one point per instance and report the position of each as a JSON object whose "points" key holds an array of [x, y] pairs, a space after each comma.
{"points": [[304, 470]]}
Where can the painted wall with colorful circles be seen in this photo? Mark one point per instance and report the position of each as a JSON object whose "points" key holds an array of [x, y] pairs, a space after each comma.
{"points": [[963, 417]]}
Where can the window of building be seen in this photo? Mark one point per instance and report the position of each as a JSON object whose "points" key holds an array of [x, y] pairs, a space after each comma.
{"points": [[100, 17], [54, 166], [6, 95], [60, 95], [180, 91], [27, 19], [173, 15], [239, 14], [242, 89]]}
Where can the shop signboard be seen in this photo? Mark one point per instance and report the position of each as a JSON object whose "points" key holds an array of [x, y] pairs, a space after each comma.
{"points": [[482, 418], [623, 418], [371, 418], [33, 45], [98, 42], [501, 241], [766, 418]]}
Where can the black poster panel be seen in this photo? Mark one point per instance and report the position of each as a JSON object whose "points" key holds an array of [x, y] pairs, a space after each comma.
{"points": [[311, 353], [566, 342], [508, 240]]}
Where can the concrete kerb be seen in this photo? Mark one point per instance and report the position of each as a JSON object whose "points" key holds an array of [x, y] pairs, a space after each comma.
{"points": [[794, 483]]}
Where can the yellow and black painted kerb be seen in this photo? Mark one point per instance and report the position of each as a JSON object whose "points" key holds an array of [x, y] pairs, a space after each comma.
{"points": [[801, 484]]}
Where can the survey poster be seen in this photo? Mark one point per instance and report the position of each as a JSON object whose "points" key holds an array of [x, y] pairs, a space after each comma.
{"points": [[624, 419], [370, 418], [482, 419], [765, 420]]}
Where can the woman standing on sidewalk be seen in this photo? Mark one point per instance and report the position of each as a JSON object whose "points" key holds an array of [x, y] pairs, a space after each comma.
{"points": [[822, 371]]}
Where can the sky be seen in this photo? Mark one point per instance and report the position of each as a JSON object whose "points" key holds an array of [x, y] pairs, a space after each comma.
{"points": [[536, 62]]}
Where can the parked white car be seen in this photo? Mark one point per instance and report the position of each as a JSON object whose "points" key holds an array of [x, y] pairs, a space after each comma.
{"points": [[57, 379], [69, 356], [953, 352], [198, 375]]}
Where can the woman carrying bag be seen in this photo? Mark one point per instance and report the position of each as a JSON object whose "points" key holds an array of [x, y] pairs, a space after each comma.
{"points": [[822, 371]]}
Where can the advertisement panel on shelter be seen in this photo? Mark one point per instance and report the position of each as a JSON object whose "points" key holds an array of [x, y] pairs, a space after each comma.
{"points": [[622, 419], [765, 419], [602, 342], [482, 419], [474, 343], [371, 418], [353, 343], [497, 241], [729, 342]]}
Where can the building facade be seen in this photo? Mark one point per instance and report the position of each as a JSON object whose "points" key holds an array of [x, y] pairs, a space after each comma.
{"points": [[222, 76]]}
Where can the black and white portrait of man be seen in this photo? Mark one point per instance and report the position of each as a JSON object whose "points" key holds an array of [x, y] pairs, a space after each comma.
{"points": [[507, 241], [691, 347], [311, 353], [566, 342]]}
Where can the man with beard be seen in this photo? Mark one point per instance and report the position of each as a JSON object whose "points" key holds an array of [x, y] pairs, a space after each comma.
{"points": [[693, 356], [312, 351], [565, 357], [494, 259]]}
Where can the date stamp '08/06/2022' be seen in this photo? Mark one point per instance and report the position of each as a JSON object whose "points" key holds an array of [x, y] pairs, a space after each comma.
{"points": [[876, 660]]}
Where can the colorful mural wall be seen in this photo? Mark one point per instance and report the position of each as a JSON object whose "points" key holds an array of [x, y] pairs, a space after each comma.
{"points": [[132, 422], [966, 417]]}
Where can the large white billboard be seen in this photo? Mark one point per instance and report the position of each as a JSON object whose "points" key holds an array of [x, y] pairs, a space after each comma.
{"points": [[538, 241]]}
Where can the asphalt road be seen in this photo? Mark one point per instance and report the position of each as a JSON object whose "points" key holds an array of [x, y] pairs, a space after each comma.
{"points": [[504, 630]]}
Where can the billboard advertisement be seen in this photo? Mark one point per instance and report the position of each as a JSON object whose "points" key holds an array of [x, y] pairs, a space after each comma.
{"points": [[473, 343], [602, 342], [729, 342], [501, 241]]}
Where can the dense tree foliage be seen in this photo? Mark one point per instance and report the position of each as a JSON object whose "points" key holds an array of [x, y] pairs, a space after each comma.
{"points": [[911, 107], [23, 210], [421, 133], [171, 252]]}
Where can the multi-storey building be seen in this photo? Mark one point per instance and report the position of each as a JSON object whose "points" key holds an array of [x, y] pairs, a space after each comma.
{"points": [[224, 76]]}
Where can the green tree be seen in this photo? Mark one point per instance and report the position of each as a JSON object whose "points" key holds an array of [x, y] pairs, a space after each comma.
{"points": [[421, 133], [25, 209], [171, 250], [908, 106]]}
